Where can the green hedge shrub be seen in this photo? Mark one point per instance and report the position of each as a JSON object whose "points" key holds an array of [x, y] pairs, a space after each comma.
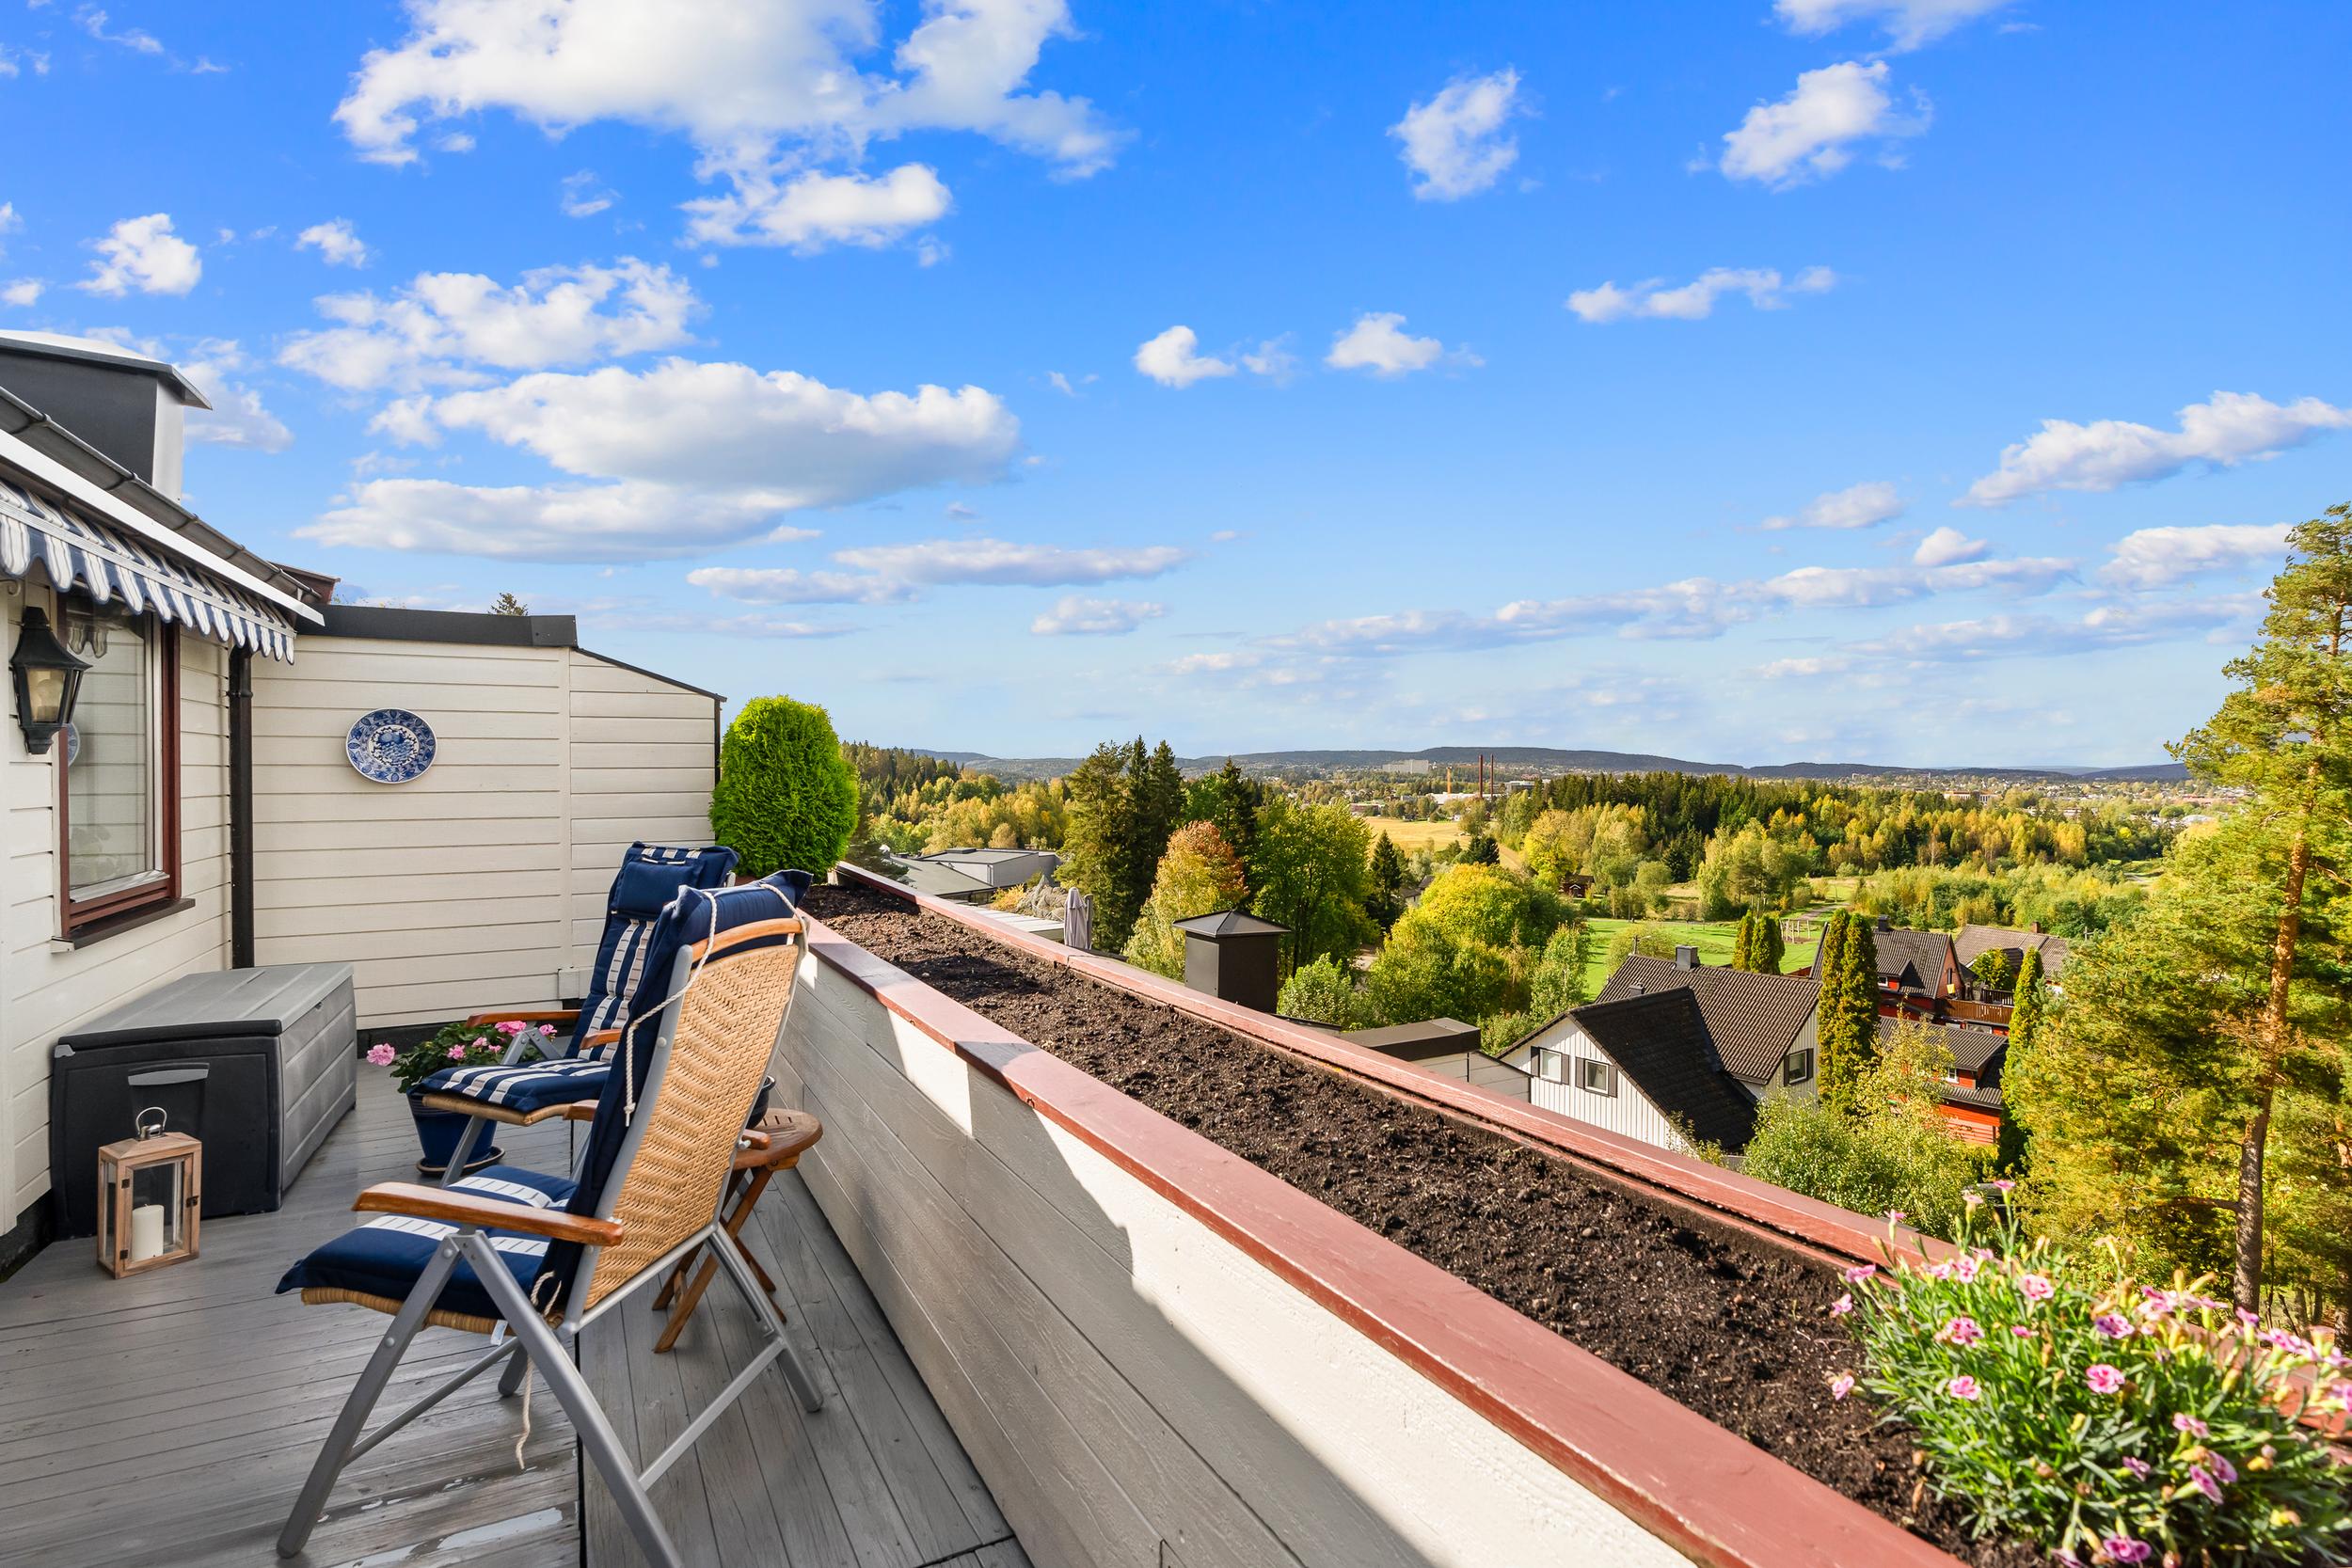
{"points": [[786, 799]]}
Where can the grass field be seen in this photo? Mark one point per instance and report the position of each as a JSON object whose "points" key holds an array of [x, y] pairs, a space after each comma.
{"points": [[1410, 836], [1713, 938]]}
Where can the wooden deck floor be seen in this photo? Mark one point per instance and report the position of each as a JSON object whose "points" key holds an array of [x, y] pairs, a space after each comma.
{"points": [[169, 1418]]}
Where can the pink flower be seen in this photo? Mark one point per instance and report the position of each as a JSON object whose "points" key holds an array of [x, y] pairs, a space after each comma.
{"points": [[2246, 1318], [2103, 1379], [1964, 1269], [1940, 1271], [1840, 1385], [1960, 1331], [2035, 1287], [2202, 1480], [1842, 1305], [546, 1030], [456, 1053], [2137, 1467], [2123, 1548], [2222, 1467], [2190, 1424], [1894, 1216], [381, 1053], [482, 1042], [2004, 1185], [1963, 1387], [2110, 1327], [1859, 1272], [510, 1027], [2021, 1331], [1974, 1199]]}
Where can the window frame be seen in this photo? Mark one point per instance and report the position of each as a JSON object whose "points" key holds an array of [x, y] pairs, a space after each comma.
{"points": [[1788, 1074], [78, 916], [1588, 1068]]}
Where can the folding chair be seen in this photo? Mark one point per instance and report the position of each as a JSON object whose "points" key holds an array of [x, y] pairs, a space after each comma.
{"points": [[532, 1259], [516, 1093]]}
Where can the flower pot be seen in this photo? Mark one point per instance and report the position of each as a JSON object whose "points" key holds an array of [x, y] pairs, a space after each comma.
{"points": [[437, 1133]]}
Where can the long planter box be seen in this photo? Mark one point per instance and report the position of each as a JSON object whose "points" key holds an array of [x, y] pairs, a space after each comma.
{"points": [[1158, 1355]]}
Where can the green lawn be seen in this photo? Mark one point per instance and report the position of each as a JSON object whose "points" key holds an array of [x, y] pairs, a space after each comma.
{"points": [[1713, 938]]}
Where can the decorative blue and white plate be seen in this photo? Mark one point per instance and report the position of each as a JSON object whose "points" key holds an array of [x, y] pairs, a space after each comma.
{"points": [[390, 746], [72, 744]]}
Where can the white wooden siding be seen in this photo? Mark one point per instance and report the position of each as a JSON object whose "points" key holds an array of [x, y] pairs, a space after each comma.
{"points": [[46, 986], [1629, 1111], [481, 884]]}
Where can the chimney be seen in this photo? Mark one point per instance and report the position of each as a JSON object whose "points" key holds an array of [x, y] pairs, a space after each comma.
{"points": [[2035, 927], [1886, 924], [1686, 958], [1235, 957], [124, 403]]}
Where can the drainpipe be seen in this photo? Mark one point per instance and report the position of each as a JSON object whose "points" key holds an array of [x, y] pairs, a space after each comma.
{"points": [[241, 808]]}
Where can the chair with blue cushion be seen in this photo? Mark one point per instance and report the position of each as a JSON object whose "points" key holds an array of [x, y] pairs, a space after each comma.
{"points": [[516, 1093], [534, 1260]]}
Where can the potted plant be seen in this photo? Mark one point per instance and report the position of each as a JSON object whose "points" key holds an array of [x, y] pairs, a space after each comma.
{"points": [[459, 1044]]}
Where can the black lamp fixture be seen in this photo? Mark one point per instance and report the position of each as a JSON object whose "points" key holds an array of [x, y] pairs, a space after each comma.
{"points": [[48, 677]]}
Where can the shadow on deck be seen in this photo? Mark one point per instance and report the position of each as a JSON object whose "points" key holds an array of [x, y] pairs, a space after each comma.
{"points": [[169, 1418]]}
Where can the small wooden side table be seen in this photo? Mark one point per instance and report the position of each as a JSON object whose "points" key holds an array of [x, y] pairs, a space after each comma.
{"points": [[789, 1135]]}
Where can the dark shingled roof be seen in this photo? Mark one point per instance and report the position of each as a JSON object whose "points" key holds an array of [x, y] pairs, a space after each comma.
{"points": [[1971, 1048], [1754, 1018], [1661, 1042], [1976, 940], [1912, 958], [1415, 1042], [1230, 923]]}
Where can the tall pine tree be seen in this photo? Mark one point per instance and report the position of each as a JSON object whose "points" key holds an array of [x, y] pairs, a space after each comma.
{"points": [[1743, 942], [1846, 969]]}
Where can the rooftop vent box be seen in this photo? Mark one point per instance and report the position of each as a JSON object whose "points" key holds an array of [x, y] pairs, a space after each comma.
{"points": [[1235, 957], [1686, 958], [127, 405]]}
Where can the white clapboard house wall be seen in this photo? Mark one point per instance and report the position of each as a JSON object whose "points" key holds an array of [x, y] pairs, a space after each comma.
{"points": [[115, 878], [483, 882]]}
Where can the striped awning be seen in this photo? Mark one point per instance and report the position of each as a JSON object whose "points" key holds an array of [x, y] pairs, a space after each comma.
{"points": [[109, 565]]}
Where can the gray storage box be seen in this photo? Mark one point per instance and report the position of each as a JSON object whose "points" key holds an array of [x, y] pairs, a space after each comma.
{"points": [[260, 1064]]}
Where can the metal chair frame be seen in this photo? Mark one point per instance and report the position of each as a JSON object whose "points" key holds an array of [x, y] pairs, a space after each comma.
{"points": [[525, 1336]]}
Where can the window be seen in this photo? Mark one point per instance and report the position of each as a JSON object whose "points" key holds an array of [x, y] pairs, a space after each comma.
{"points": [[1596, 1077], [118, 794], [1798, 1067], [1548, 1064]]}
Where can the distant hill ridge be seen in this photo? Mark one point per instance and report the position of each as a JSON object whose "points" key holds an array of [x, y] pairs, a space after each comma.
{"points": [[1552, 760]]}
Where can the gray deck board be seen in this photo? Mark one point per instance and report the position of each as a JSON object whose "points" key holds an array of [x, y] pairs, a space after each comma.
{"points": [[169, 1418]]}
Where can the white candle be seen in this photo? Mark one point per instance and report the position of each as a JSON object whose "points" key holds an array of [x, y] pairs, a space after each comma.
{"points": [[147, 1232]]}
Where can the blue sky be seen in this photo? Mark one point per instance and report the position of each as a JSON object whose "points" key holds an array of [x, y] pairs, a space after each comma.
{"points": [[1916, 381]]}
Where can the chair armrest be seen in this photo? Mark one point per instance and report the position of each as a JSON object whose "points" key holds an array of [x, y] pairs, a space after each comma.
{"points": [[578, 1110], [443, 1203], [596, 1042], [525, 1015], [503, 1115]]}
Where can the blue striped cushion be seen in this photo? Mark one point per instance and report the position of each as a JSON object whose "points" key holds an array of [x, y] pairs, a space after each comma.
{"points": [[386, 1256], [650, 877], [526, 1086]]}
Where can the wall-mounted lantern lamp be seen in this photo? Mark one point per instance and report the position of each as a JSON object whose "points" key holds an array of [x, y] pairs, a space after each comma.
{"points": [[47, 678]]}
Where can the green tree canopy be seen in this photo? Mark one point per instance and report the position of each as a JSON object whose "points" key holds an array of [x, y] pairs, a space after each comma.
{"points": [[1198, 874], [1992, 967], [1846, 971], [1310, 874], [786, 797], [1325, 991]]}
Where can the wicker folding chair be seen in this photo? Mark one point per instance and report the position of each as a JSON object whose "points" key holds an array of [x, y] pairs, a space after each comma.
{"points": [[516, 1093], [532, 1259]]}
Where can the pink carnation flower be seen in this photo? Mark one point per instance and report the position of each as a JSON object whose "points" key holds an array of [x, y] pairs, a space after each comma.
{"points": [[546, 1030], [2222, 1467], [2111, 1326], [1972, 1198], [2004, 1185], [482, 1042], [2190, 1424], [2021, 1331], [1964, 1269], [1963, 1387], [456, 1053], [1963, 1332], [2137, 1467], [1840, 1385], [1859, 1272], [1894, 1216], [2035, 1287], [2123, 1548], [510, 1027], [1842, 1305], [2203, 1481], [2103, 1379], [381, 1053]]}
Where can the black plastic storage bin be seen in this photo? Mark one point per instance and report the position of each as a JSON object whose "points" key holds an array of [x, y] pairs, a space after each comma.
{"points": [[258, 1064]]}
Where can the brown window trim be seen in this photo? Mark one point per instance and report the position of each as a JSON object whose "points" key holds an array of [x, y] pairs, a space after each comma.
{"points": [[76, 916]]}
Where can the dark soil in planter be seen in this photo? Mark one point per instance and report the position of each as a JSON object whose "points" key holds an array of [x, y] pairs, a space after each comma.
{"points": [[1736, 1331]]}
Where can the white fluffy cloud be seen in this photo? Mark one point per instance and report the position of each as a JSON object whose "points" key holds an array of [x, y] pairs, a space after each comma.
{"points": [[23, 291], [1908, 24], [143, 254], [1378, 343], [1072, 616], [811, 211], [942, 561], [1695, 300], [2159, 557], [1948, 546], [790, 585], [337, 243], [1813, 131], [670, 461], [763, 88], [452, 328], [1173, 359], [2226, 429], [1455, 143], [1863, 505], [580, 196]]}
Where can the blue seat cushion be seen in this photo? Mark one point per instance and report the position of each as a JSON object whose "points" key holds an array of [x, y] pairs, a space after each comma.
{"points": [[526, 1086], [386, 1256]]}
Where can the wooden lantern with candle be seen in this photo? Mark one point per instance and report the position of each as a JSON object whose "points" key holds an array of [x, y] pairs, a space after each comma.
{"points": [[151, 1196]]}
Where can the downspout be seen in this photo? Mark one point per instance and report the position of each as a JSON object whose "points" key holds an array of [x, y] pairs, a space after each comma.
{"points": [[241, 808]]}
